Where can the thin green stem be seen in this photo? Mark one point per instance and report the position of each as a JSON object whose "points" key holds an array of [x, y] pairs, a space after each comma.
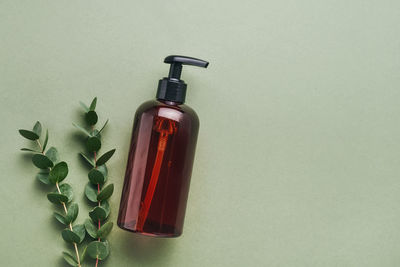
{"points": [[98, 203], [40, 145], [70, 227], [65, 210]]}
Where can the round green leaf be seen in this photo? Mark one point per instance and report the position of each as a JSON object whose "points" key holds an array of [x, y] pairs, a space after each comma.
{"points": [[96, 177], [91, 192], [98, 213], [72, 213], [105, 157], [87, 159], [79, 229], [70, 259], [107, 244], [60, 218], [93, 144], [104, 230], [30, 150], [46, 139], [57, 198], [29, 135], [106, 192], [93, 104], [96, 133], [37, 129], [91, 229], [83, 255], [91, 117], [43, 177], [98, 250], [83, 130], [103, 169], [41, 161], [66, 190], [58, 172], [70, 236], [84, 106], [106, 206], [102, 128], [52, 154]]}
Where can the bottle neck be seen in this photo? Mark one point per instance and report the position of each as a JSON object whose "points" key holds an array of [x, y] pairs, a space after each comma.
{"points": [[170, 89], [169, 103]]}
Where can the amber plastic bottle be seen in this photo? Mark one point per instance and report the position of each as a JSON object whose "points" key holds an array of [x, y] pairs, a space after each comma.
{"points": [[161, 158]]}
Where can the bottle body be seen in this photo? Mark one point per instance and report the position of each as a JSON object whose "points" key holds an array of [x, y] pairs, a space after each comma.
{"points": [[159, 168]]}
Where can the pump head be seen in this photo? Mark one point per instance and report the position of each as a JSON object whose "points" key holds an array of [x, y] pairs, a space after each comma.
{"points": [[172, 88]]}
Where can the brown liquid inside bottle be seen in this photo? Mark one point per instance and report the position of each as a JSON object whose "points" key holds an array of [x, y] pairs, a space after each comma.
{"points": [[159, 168]]}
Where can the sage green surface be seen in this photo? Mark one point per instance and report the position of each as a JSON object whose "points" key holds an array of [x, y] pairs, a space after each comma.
{"points": [[298, 157]]}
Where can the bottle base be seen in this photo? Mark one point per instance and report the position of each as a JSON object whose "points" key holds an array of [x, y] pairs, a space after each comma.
{"points": [[131, 228]]}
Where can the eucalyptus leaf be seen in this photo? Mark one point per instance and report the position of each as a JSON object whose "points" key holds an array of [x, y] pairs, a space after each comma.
{"points": [[87, 159], [84, 106], [29, 134], [106, 206], [46, 139], [43, 177], [83, 130], [106, 192], [37, 129], [79, 229], [98, 214], [102, 128], [96, 133], [91, 117], [104, 230], [107, 244], [57, 198], [91, 229], [69, 236], [41, 161], [93, 104], [93, 144], [72, 213], [66, 190], [105, 157], [70, 259], [30, 150], [97, 249], [96, 177], [83, 255], [103, 169], [91, 192], [58, 172], [61, 218], [52, 154]]}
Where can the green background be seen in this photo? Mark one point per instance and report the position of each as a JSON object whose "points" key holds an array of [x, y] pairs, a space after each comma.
{"points": [[298, 156]]}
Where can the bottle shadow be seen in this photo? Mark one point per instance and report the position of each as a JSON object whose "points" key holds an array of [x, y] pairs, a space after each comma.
{"points": [[143, 249]]}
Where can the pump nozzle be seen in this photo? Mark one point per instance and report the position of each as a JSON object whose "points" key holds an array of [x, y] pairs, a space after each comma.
{"points": [[172, 88]]}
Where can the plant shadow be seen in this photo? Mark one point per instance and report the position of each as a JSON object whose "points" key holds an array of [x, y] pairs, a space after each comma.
{"points": [[77, 137], [26, 158]]}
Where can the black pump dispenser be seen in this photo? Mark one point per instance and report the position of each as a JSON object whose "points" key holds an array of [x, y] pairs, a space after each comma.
{"points": [[172, 88]]}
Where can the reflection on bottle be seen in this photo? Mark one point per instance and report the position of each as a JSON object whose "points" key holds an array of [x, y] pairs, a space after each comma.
{"points": [[165, 127]]}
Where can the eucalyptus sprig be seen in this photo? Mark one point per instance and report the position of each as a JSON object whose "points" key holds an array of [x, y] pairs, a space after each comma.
{"points": [[95, 190], [53, 172]]}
